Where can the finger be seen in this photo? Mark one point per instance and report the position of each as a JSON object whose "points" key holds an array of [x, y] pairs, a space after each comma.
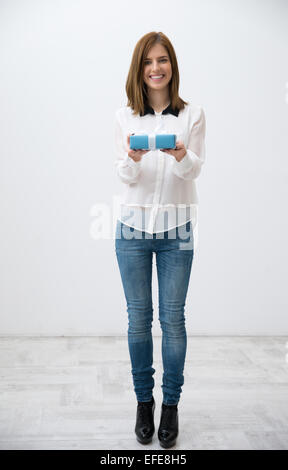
{"points": [[128, 137]]}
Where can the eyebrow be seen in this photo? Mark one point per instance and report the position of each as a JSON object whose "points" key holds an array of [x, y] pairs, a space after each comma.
{"points": [[161, 56]]}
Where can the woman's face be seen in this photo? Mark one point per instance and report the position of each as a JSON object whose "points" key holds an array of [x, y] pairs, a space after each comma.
{"points": [[157, 63]]}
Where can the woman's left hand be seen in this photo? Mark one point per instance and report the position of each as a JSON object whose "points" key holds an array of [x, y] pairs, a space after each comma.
{"points": [[177, 153]]}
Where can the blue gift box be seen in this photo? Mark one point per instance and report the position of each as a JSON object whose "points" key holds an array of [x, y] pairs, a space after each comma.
{"points": [[153, 141]]}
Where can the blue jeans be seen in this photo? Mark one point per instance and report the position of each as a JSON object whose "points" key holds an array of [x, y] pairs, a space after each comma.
{"points": [[174, 255]]}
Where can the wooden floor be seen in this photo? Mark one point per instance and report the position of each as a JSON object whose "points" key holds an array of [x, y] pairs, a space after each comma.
{"points": [[77, 393]]}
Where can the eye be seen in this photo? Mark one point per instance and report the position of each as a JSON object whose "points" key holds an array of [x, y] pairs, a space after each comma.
{"points": [[161, 60]]}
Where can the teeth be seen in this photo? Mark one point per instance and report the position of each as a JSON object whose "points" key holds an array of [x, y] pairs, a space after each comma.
{"points": [[156, 76]]}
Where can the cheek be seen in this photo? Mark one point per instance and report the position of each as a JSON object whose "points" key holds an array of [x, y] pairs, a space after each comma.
{"points": [[168, 70]]}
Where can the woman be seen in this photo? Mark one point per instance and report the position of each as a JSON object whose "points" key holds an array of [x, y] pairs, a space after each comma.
{"points": [[157, 216]]}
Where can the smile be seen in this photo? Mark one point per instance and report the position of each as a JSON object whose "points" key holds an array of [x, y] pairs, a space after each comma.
{"points": [[156, 78]]}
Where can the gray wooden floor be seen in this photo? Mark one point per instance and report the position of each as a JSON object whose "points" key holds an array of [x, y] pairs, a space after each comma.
{"points": [[77, 393]]}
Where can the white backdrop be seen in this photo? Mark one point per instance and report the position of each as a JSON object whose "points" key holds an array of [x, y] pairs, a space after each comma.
{"points": [[63, 70]]}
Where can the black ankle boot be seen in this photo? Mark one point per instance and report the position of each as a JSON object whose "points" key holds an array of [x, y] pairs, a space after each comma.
{"points": [[168, 429], [144, 427]]}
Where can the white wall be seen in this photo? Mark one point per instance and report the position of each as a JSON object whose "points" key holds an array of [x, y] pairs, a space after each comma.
{"points": [[63, 71]]}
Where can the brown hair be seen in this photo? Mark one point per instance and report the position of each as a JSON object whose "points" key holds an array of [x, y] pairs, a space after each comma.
{"points": [[136, 88]]}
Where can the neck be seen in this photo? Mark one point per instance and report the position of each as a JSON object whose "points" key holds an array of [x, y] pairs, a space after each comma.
{"points": [[158, 99]]}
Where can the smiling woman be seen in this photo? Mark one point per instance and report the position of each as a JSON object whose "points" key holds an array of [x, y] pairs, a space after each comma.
{"points": [[157, 215]]}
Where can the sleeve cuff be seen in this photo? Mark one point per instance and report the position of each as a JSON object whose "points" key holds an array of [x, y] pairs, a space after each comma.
{"points": [[130, 162], [184, 165]]}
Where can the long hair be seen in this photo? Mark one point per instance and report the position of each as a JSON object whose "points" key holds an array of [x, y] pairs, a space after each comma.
{"points": [[136, 88]]}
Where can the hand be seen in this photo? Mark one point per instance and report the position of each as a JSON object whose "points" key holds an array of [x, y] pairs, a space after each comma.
{"points": [[177, 153], [136, 155]]}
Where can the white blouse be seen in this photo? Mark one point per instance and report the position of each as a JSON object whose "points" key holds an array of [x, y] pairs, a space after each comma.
{"points": [[160, 192]]}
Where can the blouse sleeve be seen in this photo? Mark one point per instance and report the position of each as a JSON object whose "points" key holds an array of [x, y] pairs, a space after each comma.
{"points": [[190, 166], [127, 169]]}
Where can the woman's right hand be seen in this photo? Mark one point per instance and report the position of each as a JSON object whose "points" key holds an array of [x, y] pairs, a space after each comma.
{"points": [[136, 155]]}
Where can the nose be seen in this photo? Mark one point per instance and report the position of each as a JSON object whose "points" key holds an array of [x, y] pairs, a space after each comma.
{"points": [[155, 67]]}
